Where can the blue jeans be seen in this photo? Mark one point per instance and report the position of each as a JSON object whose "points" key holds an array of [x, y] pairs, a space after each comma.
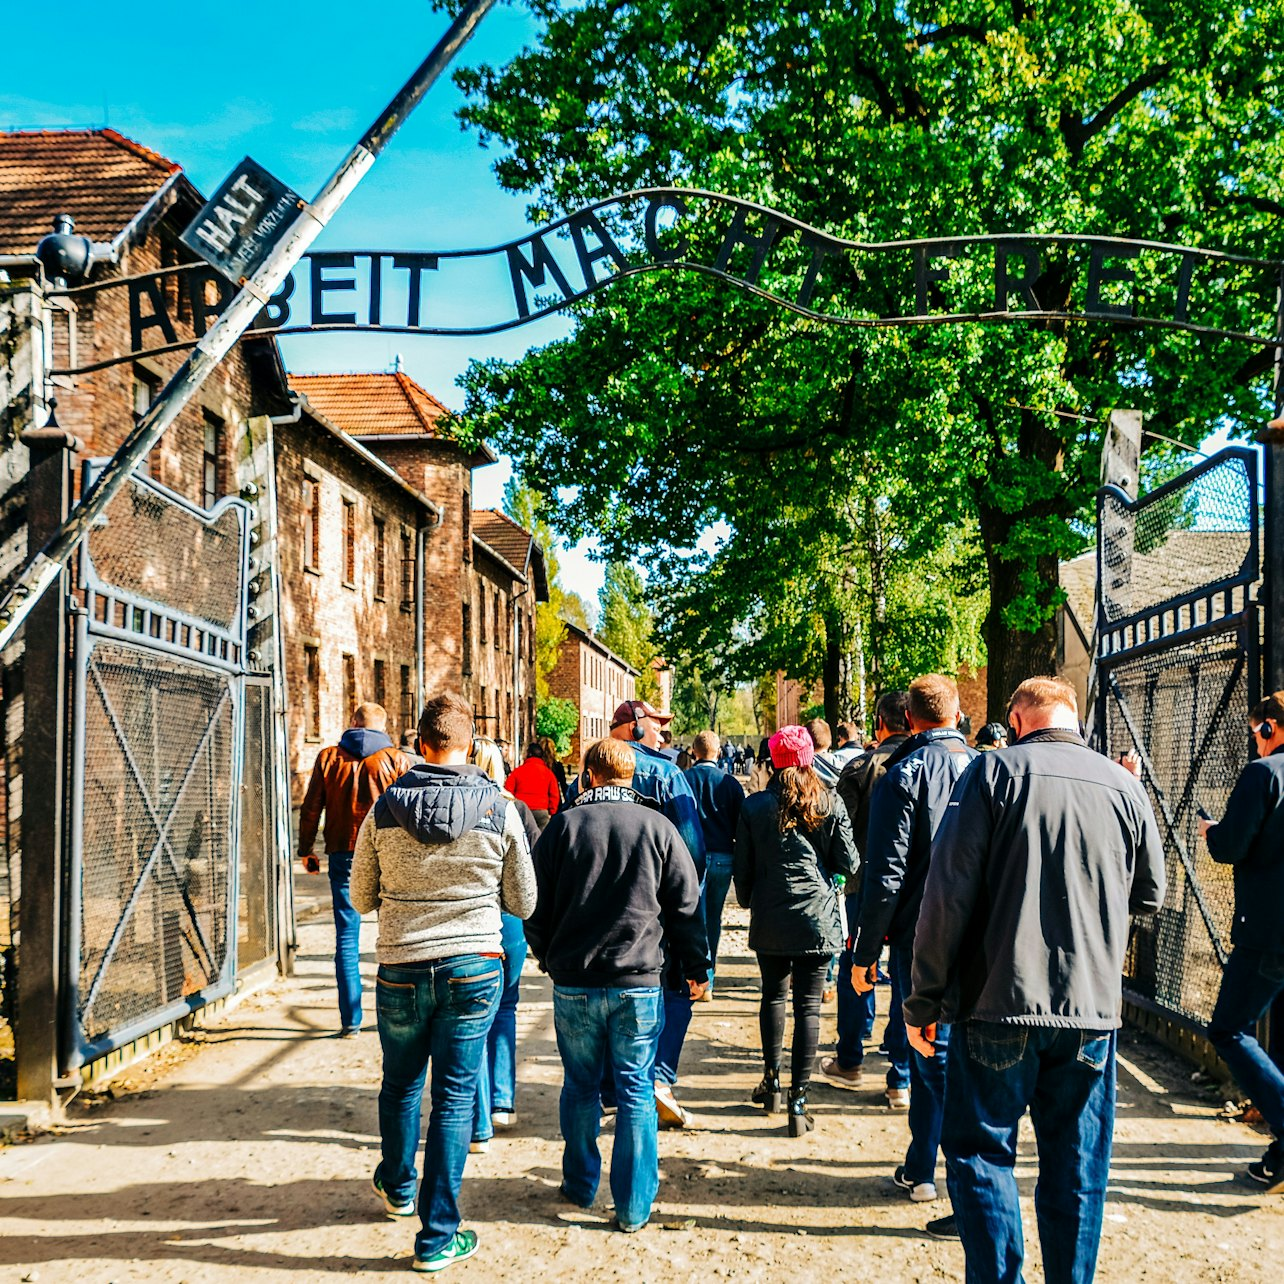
{"points": [[347, 940], [856, 1012], [894, 1040], [440, 1010], [497, 1082], [1250, 984], [717, 881], [927, 1086], [625, 1022], [1067, 1079]]}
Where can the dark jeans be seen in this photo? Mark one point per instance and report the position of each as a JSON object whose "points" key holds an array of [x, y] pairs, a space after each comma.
{"points": [[497, 1082], [1067, 1079], [808, 975], [347, 940], [856, 1012], [927, 1085], [717, 881], [894, 1040], [589, 1024], [1250, 984], [439, 1011]]}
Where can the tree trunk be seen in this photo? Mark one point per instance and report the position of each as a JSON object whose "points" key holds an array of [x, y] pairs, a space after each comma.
{"points": [[831, 677]]}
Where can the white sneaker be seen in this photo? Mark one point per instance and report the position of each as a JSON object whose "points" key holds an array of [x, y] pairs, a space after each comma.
{"points": [[897, 1098], [483, 1148], [924, 1192], [503, 1118]]}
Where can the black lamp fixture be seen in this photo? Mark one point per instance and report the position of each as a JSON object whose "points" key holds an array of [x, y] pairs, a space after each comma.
{"points": [[65, 256]]}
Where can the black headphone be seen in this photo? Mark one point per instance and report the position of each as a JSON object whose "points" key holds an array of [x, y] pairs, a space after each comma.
{"points": [[639, 731], [1266, 730]]}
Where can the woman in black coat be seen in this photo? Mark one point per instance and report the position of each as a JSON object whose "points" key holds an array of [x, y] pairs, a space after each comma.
{"points": [[792, 843]]}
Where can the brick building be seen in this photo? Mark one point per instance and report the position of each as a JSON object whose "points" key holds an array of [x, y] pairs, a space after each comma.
{"points": [[132, 203], [352, 533], [479, 600], [596, 679]]}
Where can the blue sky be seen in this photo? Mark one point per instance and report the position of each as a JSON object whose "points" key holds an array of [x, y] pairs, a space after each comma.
{"points": [[294, 84]]}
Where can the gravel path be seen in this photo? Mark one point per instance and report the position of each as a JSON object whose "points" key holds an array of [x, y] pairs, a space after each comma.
{"points": [[245, 1154]]}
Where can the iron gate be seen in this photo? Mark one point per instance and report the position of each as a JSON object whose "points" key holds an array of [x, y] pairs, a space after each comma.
{"points": [[157, 765], [1178, 666]]}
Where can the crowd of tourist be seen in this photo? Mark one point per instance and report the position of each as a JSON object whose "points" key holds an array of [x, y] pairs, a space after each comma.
{"points": [[997, 881]]}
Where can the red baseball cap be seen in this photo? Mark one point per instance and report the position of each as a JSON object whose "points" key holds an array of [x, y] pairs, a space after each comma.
{"points": [[792, 747], [635, 711]]}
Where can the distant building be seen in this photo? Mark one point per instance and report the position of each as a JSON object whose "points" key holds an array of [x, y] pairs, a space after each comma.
{"points": [[596, 679]]}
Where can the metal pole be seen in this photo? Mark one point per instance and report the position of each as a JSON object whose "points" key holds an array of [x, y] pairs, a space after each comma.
{"points": [[1272, 440], [44, 569]]}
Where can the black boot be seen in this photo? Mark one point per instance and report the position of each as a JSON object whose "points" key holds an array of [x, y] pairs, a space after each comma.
{"points": [[768, 1094], [800, 1122]]}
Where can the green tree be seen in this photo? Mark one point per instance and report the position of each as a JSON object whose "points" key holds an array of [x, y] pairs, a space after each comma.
{"points": [[627, 626], [557, 718], [676, 403]]}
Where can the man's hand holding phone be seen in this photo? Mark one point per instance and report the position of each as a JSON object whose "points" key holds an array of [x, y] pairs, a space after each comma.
{"points": [[311, 863]]}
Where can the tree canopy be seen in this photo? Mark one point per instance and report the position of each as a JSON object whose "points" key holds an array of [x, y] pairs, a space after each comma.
{"points": [[965, 457]]}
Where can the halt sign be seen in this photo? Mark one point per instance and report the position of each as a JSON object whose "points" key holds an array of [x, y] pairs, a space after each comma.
{"points": [[242, 221]]}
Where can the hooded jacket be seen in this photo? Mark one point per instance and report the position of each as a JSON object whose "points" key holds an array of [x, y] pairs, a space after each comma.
{"points": [[1250, 838], [615, 879], [786, 881], [438, 856], [906, 808], [347, 780], [1046, 849]]}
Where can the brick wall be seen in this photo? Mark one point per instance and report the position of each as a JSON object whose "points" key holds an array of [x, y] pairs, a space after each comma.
{"points": [[324, 611], [596, 682]]}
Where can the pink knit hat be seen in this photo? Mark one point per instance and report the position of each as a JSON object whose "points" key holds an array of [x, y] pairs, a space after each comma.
{"points": [[792, 747]]}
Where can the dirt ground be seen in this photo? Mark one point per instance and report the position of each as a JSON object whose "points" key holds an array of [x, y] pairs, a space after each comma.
{"points": [[245, 1154]]}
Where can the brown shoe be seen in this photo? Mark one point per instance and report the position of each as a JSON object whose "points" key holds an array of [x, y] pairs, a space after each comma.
{"points": [[671, 1114], [835, 1073]]}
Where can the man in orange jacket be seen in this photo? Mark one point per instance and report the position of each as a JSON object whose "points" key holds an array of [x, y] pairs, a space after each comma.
{"points": [[347, 780]]}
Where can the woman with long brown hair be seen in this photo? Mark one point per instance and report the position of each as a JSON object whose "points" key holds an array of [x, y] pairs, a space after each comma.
{"points": [[792, 842]]}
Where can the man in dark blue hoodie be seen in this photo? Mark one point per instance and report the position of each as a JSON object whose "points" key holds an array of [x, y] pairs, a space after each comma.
{"points": [[906, 809], [347, 780]]}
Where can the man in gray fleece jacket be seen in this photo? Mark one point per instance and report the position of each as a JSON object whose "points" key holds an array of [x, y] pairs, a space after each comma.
{"points": [[438, 856]]}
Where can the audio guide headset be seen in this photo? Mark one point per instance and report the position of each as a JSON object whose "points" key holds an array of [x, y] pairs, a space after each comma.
{"points": [[639, 731]]}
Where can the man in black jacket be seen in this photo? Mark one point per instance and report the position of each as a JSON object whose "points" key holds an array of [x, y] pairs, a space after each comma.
{"points": [[908, 805], [614, 879], [1250, 837], [1046, 850], [856, 1012]]}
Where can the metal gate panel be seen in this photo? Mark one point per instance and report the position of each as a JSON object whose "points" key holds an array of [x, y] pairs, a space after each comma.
{"points": [[1177, 669], [157, 766], [257, 893]]}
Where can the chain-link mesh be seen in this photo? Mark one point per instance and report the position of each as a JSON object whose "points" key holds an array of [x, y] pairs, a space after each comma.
{"points": [[154, 882], [256, 902], [1179, 540], [11, 720], [147, 545], [1182, 709]]}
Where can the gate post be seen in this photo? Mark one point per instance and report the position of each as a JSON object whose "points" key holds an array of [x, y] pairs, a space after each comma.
{"points": [[44, 766], [1272, 440]]}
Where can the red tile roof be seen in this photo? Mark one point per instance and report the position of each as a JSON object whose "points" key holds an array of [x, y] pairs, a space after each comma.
{"points": [[370, 405], [99, 177], [501, 533]]}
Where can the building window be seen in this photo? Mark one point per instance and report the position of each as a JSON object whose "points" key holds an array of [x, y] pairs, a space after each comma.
{"points": [[466, 657], [350, 684], [145, 389], [381, 559], [381, 683], [466, 525], [311, 524], [312, 692], [407, 571], [211, 490], [350, 543], [499, 633], [481, 616], [409, 715]]}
